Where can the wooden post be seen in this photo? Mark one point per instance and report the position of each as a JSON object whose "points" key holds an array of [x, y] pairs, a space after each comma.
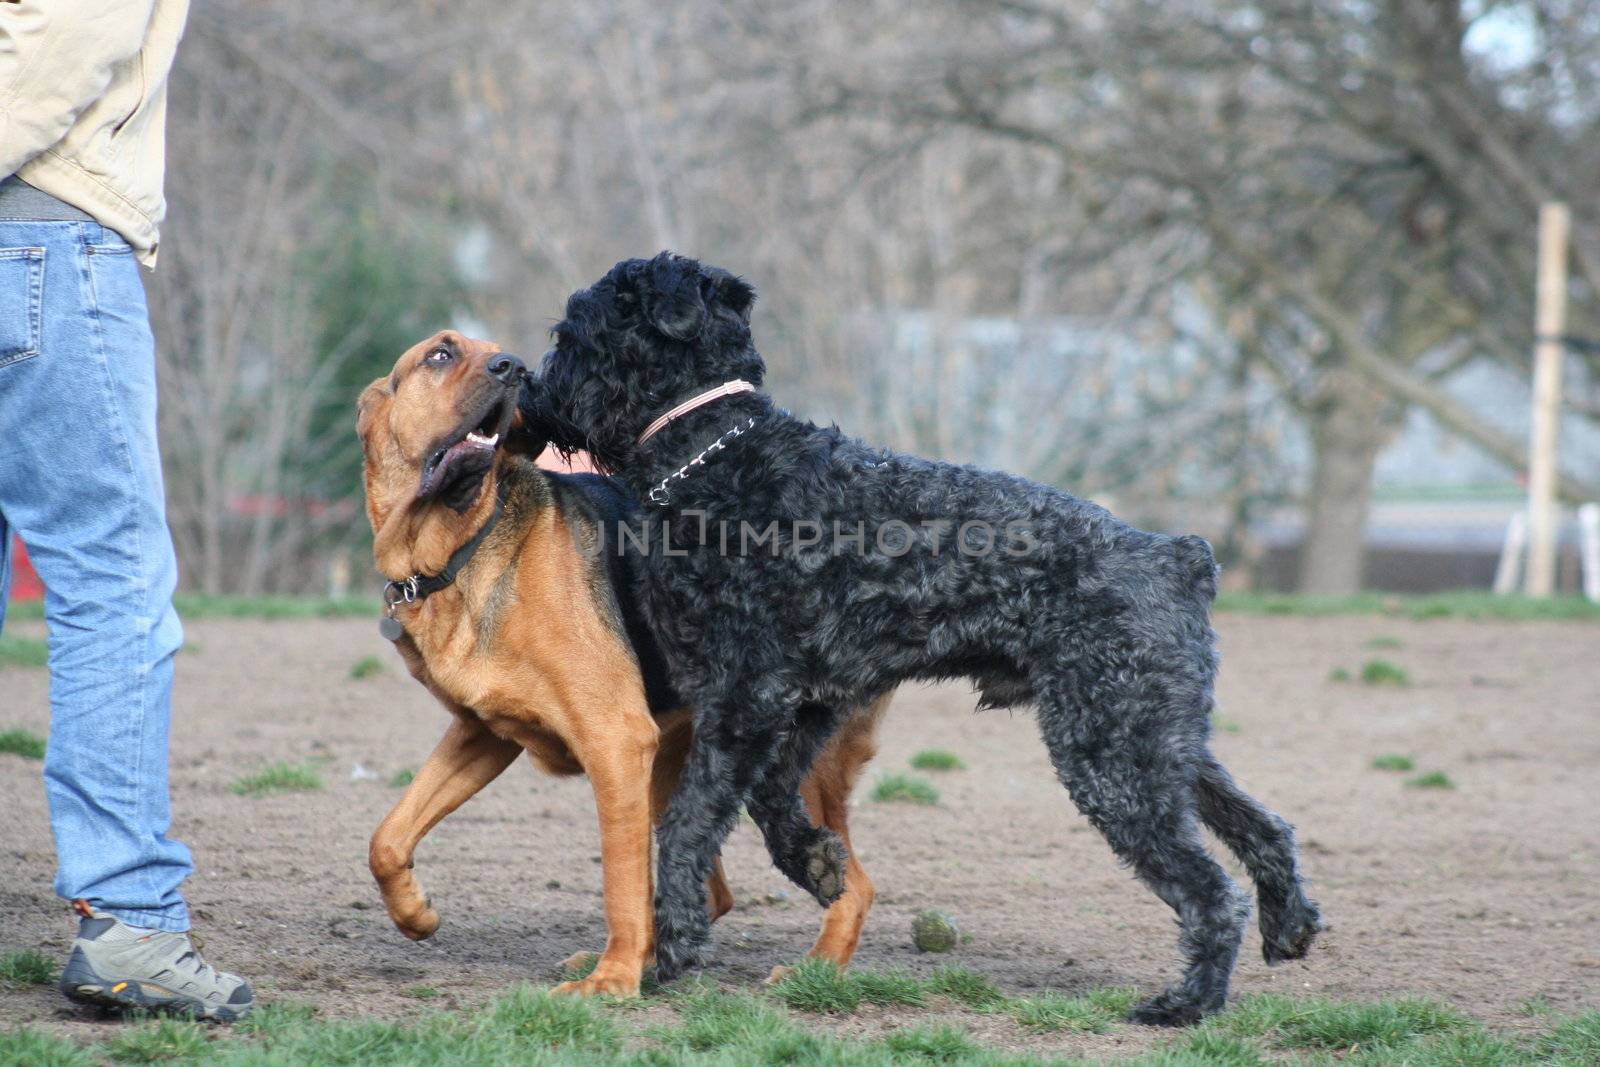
{"points": [[1589, 549], [1509, 569], [1550, 321]]}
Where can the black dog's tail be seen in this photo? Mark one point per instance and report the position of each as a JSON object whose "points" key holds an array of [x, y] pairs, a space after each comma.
{"points": [[1194, 555]]}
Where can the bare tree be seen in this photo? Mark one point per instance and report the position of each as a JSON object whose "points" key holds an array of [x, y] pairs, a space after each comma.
{"points": [[1356, 173], [250, 350], [1130, 240]]}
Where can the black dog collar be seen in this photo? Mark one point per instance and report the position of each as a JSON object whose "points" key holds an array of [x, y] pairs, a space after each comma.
{"points": [[420, 586]]}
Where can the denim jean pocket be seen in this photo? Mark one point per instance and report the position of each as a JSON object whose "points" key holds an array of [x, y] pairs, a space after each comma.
{"points": [[111, 244], [21, 303]]}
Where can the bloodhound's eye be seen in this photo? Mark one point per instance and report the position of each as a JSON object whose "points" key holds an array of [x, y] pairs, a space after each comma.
{"points": [[440, 356]]}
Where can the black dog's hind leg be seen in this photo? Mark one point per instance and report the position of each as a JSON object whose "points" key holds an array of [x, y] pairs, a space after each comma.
{"points": [[813, 857], [1264, 843], [1138, 790], [723, 764]]}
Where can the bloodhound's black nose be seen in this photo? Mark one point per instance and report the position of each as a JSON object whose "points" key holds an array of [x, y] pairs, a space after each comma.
{"points": [[508, 369]]}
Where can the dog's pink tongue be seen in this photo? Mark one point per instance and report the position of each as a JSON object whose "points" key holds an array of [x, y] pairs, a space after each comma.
{"points": [[470, 443], [467, 445], [457, 450]]}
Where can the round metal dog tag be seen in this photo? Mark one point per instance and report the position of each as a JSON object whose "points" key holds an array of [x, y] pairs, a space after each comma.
{"points": [[390, 628]]}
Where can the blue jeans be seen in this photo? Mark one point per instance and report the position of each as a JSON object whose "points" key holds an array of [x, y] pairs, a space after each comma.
{"points": [[80, 482]]}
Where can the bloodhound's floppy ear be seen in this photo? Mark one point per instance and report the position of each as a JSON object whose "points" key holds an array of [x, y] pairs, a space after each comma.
{"points": [[367, 406]]}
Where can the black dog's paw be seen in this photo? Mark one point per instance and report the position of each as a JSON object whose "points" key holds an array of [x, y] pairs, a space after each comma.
{"points": [[681, 936], [674, 956], [1169, 1008], [1287, 932], [825, 859]]}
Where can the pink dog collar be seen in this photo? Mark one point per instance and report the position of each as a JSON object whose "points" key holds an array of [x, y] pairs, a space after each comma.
{"points": [[733, 388]]}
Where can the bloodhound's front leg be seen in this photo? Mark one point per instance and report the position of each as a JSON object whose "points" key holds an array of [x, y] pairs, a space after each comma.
{"points": [[671, 751], [620, 774], [465, 760]]}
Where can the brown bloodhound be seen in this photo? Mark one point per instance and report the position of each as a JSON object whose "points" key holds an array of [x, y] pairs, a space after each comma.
{"points": [[507, 605]]}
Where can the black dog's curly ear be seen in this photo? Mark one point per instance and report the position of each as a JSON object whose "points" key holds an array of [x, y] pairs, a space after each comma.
{"points": [[670, 297], [733, 293], [584, 322]]}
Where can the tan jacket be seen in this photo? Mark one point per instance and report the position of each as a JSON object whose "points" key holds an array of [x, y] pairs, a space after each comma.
{"points": [[83, 105]]}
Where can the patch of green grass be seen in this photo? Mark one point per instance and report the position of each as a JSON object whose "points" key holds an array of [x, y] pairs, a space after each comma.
{"points": [[430, 1039], [1339, 674], [1383, 641], [964, 987], [366, 667], [1321, 1024], [937, 759], [891, 986], [1536, 1005], [276, 1019], [938, 1044], [1431, 780], [1388, 1022], [1052, 1011], [1461, 604], [1207, 1048], [402, 778], [905, 789], [18, 651], [1471, 1048], [819, 986], [1393, 762], [22, 743], [158, 1041], [1221, 722], [29, 1048], [1383, 672], [27, 967], [715, 1021], [706, 1027], [539, 1017], [1116, 1001], [279, 778], [421, 992], [1573, 1041]]}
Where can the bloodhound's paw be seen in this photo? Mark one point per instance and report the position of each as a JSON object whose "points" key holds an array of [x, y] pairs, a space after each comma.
{"points": [[598, 985], [419, 924], [582, 963]]}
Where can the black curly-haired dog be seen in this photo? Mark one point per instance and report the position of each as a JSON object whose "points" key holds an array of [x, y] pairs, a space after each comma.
{"points": [[806, 573]]}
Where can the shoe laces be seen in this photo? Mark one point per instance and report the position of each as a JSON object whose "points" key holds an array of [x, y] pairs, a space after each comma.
{"points": [[193, 953]]}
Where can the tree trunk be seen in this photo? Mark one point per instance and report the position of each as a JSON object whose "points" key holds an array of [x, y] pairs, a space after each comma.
{"points": [[1348, 429]]}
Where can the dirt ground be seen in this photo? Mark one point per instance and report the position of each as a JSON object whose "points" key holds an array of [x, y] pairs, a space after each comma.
{"points": [[1485, 895]]}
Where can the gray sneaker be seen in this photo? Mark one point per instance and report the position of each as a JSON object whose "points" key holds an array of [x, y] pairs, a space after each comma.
{"points": [[119, 966]]}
